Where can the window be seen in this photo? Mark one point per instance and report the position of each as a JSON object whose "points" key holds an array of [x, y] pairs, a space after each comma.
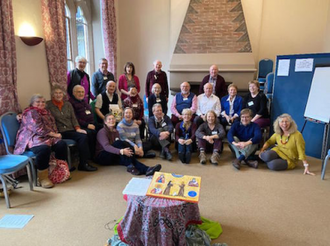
{"points": [[78, 32]]}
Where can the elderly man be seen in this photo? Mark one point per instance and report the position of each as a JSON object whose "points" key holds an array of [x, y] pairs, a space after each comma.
{"points": [[218, 83], [108, 100], [205, 102], [244, 137], [78, 76], [101, 77], [83, 112], [185, 99], [157, 76], [160, 128]]}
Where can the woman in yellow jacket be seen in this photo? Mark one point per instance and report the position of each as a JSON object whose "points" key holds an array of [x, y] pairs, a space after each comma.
{"points": [[289, 146]]}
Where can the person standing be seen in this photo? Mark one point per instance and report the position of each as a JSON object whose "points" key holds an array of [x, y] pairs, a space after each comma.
{"points": [[101, 77], [218, 82], [157, 76]]}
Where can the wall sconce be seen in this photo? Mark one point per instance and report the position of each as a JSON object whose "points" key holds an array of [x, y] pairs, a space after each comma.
{"points": [[28, 36]]}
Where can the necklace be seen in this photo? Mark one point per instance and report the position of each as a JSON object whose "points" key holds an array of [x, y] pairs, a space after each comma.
{"points": [[286, 140]]}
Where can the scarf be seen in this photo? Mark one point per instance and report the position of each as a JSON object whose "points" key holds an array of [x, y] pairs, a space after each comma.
{"points": [[58, 104]]}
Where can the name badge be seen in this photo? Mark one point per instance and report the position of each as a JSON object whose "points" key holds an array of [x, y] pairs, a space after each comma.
{"points": [[158, 100], [135, 105], [116, 139], [87, 111], [185, 99], [133, 134], [105, 78], [250, 103], [214, 132], [164, 124]]}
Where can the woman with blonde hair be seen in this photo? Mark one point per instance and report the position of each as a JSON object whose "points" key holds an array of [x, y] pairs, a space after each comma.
{"points": [[289, 146]]}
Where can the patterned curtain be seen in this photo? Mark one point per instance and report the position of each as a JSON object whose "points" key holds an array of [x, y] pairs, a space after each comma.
{"points": [[8, 69], [109, 33], [53, 15]]}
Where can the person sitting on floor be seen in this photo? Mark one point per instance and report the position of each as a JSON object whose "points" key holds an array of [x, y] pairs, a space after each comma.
{"points": [[134, 102], [110, 150], [129, 132], [156, 97], [108, 100], [244, 137], [206, 102], [185, 136], [69, 127], [39, 134], [289, 146], [182, 100], [160, 128], [210, 135]]}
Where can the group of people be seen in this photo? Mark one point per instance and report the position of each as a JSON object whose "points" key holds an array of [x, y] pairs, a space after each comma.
{"points": [[115, 133]]}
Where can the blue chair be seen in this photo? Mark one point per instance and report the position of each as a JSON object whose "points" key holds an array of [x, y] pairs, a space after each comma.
{"points": [[265, 67], [9, 127], [324, 165]]}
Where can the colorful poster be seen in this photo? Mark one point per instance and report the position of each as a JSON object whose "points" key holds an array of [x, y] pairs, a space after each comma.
{"points": [[175, 186]]}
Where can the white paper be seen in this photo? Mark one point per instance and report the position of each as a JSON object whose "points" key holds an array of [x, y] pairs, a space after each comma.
{"points": [[304, 65], [15, 221], [137, 187], [283, 67]]}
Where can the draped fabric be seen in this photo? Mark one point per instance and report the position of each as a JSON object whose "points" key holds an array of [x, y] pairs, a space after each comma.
{"points": [[53, 15], [109, 29], [8, 65]]}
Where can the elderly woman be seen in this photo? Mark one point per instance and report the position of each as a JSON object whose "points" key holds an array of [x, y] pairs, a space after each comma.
{"points": [[185, 136], [156, 97], [231, 106], [134, 102], [289, 146], [128, 80], [257, 102], [38, 133], [68, 126], [210, 135], [78, 76], [129, 132], [110, 150]]}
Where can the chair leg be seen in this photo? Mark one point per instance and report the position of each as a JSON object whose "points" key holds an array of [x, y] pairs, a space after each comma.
{"points": [[69, 157], [28, 168], [4, 186], [324, 166]]}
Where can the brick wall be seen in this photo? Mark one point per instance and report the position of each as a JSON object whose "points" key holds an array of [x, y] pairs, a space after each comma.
{"points": [[213, 26]]}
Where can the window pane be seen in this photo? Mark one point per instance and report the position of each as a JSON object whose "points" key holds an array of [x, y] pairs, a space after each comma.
{"points": [[81, 39], [68, 38]]}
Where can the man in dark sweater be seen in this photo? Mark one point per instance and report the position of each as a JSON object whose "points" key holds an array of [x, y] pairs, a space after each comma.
{"points": [[244, 137], [101, 77], [217, 81]]}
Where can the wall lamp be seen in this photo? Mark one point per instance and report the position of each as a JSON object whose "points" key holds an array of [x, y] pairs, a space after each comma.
{"points": [[28, 36], [31, 41]]}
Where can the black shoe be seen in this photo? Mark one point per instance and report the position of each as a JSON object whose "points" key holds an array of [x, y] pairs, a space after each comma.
{"points": [[169, 156], [237, 164], [149, 155], [132, 170], [188, 157], [152, 170], [182, 157], [86, 167]]}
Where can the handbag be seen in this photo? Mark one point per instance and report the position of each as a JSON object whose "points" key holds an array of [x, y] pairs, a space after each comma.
{"points": [[58, 171]]}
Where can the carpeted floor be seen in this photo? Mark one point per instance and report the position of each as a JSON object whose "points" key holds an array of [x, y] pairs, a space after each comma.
{"points": [[254, 207]]}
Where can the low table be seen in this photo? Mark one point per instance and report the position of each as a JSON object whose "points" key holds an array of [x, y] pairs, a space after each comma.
{"points": [[157, 221]]}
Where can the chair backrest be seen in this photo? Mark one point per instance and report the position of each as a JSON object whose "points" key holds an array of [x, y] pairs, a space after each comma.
{"points": [[93, 111], [265, 67], [9, 127], [269, 83]]}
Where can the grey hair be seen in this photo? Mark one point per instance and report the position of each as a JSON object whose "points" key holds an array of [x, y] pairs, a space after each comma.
{"points": [[153, 88], [57, 87], [155, 62], [108, 83], [277, 128], [80, 58], [102, 60], [76, 87], [35, 97], [155, 106]]}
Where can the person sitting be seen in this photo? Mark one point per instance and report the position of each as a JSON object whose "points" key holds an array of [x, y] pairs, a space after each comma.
{"points": [[108, 101], [110, 150], [289, 146], [128, 80], [218, 82], [210, 135], [257, 102], [244, 137], [69, 127], [205, 103], [157, 76], [39, 134], [185, 136], [101, 77], [231, 106], [134, 102], [156, 97], [129, 132], [78, 76], [160, 128], [83, 112], [182, 100]]}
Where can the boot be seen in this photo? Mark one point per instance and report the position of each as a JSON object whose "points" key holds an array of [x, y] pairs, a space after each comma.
{"points": [[43, 179]]}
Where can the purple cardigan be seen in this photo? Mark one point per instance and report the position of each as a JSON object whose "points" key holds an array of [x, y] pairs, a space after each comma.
{"points": [[103, 143], [83, 112]]}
